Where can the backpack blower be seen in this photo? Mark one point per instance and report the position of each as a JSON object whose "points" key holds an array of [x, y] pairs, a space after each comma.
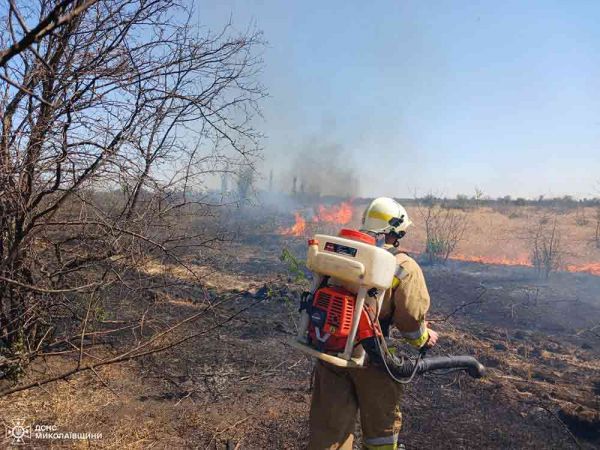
{"points": [[339, 315]]}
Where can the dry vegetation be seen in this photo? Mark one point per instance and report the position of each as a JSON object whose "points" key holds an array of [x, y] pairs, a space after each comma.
{"points": [[515, 234], [125, 310], [240, 385], [112, 120], [444, 229]]}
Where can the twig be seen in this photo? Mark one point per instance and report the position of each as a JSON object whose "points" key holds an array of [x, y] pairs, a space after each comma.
{"points": [[47, 291], [52, 21], [464, 305], [564, 425], [183, 398], [135, 352], [226, 429], [104, 382]]}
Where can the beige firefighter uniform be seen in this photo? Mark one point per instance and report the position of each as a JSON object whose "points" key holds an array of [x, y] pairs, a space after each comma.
{"points": [[338, 393]]}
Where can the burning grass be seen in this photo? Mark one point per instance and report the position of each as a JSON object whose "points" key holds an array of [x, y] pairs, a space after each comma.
{"points": [[322, 216], [491, 237]]}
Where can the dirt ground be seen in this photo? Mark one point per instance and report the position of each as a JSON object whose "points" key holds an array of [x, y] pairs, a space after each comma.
{"points": [[240, 386]]}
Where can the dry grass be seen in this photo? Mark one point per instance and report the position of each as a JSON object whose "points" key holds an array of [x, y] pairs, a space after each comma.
{"points": [[242, 386], [497, 236]]}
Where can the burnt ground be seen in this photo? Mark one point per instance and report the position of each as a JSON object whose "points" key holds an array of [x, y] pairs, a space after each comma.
{"points": [[240, 386]]}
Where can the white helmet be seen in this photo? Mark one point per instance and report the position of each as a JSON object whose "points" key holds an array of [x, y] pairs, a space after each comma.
{"points": [[385, 215]]}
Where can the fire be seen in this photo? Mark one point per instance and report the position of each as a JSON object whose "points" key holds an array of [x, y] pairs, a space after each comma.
{"points": [[592, 268], [337, 214], [522, 261], [500, 261], [342, 214], [298, 229]]}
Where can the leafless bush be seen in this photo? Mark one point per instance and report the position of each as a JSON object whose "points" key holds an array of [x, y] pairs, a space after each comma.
{"points": [[111, 124], [581, 220], [546, 247], [597, 228], [444, 228], [508, 209]]}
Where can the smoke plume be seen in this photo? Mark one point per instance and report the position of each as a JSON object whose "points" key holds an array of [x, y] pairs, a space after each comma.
{"points": [[323, 169]]}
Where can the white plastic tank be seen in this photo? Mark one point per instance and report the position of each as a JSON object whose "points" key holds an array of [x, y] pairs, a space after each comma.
{"points": [[351, 258]]}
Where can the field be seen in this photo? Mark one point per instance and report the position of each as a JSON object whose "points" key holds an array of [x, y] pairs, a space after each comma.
{"points": [[238, 385], [504, 234]]}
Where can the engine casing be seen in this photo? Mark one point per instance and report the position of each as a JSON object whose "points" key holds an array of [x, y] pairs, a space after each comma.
{"points": [[331, 314]]}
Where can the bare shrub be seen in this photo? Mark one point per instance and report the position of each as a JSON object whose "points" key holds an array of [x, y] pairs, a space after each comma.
{"points": [[546, 247], [110, 126], [444, 229], [507, 208], [581, 220], [597, 228]]}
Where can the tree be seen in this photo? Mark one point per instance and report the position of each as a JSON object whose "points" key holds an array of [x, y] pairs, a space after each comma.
{"points": [[479, 196], [245, 183], [59, 15], [110, 125]]}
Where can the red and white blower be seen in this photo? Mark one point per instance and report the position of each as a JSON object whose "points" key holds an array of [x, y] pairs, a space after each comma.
{"points": [[339, 315]]}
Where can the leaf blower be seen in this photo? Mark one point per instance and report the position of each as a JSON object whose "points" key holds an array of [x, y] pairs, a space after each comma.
{"points": [[339, 315]]}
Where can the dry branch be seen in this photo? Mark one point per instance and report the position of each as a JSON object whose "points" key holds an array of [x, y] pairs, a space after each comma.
{"points": [[138, 351], [113, 114]]}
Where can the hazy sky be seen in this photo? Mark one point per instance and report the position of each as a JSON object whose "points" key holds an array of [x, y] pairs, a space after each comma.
{"points": [[435, 96]]}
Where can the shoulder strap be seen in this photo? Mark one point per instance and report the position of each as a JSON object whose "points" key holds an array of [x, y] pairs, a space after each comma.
{"points": [[394, 250], [401, 272]]}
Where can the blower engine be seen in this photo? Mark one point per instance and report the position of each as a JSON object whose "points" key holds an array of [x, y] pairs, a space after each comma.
{"points": [[339, 315]]}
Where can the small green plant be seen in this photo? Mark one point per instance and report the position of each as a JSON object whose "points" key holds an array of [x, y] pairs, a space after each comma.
{"points": [[444, 229], [295, 266], [436, 248], [101, 313]]}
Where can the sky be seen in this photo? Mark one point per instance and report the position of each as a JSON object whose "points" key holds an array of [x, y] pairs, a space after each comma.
{"points": [[431, 96]]}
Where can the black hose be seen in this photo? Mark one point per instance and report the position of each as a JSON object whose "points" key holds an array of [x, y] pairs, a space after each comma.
{"points": [[405, 368], [473, 367]]}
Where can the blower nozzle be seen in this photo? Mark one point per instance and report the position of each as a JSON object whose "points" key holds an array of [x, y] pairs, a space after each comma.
{"points": [[406, 368]]}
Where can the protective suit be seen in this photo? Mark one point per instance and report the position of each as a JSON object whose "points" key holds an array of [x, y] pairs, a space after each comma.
{"points": [[338, 393]]}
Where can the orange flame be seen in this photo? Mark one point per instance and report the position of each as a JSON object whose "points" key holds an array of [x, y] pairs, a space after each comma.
{"points": [[591, 268], [337, 214], [342, 214], [522, 261], [297, 229], [500, 261]]}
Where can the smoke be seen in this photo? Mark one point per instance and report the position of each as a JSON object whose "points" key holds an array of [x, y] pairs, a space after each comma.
{"points": [[323, 169]]}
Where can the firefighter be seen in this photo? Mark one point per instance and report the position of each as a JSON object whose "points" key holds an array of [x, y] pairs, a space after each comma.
{"points": [[338, 393]]}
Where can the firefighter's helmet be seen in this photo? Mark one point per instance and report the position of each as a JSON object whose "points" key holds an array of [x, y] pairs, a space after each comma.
{"points": [[385, 215]]}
